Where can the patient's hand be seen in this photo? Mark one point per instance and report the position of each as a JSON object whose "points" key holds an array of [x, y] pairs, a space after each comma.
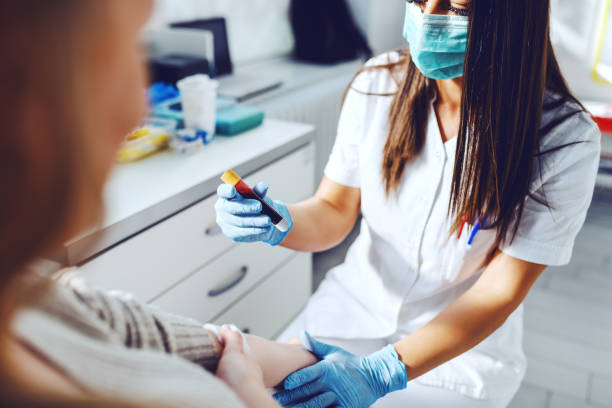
{"points": [[277, 360], [236, 368], [241, 372]]}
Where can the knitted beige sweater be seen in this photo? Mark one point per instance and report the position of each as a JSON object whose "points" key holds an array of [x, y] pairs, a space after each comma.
{"points": [[114, 346]]}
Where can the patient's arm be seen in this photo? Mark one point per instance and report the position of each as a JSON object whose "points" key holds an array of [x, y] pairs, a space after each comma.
{"points": [[277, 360], [140, 326]]}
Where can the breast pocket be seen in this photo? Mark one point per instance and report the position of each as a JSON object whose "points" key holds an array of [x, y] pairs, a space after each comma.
{"points": [[466, 259]]}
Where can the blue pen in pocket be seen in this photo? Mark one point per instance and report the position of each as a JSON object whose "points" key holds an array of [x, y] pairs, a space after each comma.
{"points": [[479, 223], [477, 227]]}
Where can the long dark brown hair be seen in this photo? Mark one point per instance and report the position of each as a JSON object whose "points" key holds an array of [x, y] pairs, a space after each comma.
{"points": [[510, 66]]}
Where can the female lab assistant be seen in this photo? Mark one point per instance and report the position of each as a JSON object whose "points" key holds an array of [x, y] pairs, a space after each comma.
{"points": [[473, 167]]}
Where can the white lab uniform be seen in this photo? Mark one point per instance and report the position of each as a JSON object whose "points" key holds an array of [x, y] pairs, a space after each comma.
{"points": [[403, 269]]}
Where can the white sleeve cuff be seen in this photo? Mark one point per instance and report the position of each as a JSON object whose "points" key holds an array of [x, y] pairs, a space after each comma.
{"points": [[342, 170], [539, 252]]}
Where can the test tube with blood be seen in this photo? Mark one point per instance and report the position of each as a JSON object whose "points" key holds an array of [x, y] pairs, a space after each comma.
{"points": [[230, 177]]}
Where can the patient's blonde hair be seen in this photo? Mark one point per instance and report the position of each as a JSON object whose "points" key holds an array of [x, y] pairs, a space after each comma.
{"points": [[46, 148]]}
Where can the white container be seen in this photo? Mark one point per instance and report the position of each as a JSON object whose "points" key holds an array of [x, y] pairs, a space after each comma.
{"points": [[199, 100]]}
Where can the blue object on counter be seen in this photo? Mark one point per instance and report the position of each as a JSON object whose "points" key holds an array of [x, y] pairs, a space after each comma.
{"points": [[190, 136], [187, 141], [165, 123], [173, 109], [162, 91], [237, 119]]}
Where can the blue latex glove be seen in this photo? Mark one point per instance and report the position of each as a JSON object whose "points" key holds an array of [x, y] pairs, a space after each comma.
{"points": [[241, 219], [343, 379]]}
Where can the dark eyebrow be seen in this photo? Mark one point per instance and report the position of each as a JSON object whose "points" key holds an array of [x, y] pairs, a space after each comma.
{"points": [[463, 4]]}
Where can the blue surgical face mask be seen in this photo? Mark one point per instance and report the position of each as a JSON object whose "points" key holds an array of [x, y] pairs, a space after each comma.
{"points": [[437, 42]]}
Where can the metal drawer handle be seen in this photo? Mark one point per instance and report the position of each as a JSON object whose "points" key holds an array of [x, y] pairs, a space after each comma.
{"points": [[213, 231], [220, 291]]}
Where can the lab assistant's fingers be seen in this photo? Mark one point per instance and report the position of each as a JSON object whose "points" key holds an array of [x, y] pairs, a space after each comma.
{"points": [[261, 189], [327, 399], [299, 394], [319, 349], [227, 191], [239, 207], [246, 221], [303, 376], [245, 235]]}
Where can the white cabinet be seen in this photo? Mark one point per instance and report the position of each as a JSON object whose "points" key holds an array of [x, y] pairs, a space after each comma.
{"points": [[157, 258], [186, 265], [267, 309], [213, 288]]}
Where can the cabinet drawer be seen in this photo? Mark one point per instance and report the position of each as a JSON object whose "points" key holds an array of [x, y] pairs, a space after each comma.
{"points": [[215, 287], [162, 255], [291, 179], [150, 262], [270, 307]]}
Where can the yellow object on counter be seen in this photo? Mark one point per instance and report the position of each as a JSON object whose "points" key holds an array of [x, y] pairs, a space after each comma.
{"points": [[142, 143]]}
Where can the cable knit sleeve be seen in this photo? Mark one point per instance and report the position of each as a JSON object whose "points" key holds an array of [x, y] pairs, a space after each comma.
{"points": [[137, 325]]}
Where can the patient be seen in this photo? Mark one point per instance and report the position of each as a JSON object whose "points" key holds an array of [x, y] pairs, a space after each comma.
{"points": [[72, 77]]}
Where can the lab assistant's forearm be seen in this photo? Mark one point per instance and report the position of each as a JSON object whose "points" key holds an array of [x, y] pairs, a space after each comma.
{"points": [[461, 326], [278, 360], [318, 226], [467, 321]]}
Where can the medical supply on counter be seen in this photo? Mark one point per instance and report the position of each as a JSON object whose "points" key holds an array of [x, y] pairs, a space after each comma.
{"points": [[233, 179], [437, 42], [237, 119], [161, 91], [143, 142], [186, 141], [368, 378], [173, 108], [165, 123], [199, 102]]}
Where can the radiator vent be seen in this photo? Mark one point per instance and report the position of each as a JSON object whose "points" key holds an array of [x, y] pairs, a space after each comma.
{"points": [[317, 104]]}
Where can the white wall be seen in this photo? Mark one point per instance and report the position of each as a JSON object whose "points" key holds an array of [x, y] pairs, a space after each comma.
{"points": [[382, 21], [578, 74], [576, 27], [261, 28], [257, 28]]}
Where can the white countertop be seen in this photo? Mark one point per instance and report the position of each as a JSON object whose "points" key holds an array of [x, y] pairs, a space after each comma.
{"points": [[141, 194], [293, 74]]}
